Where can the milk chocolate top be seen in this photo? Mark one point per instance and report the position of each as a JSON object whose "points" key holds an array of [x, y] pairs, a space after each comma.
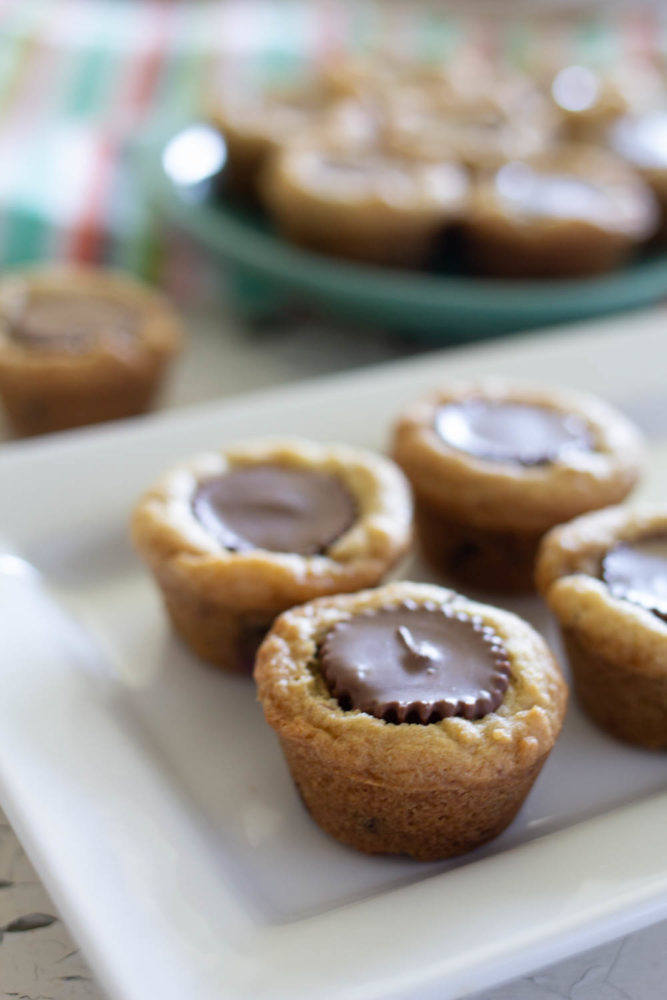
{"points": [[504, 431], [276, 508], [637, 572], [71, 323], [415, 663]]}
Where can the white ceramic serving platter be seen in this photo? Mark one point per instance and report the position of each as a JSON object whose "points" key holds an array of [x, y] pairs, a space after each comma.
{"points": [[154, 800]]}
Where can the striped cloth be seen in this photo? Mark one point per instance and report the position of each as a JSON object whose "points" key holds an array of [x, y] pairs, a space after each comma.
{"points": [[82, 81]]}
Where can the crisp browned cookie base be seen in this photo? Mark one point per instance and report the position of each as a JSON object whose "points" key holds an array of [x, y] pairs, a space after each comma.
{"points": [[399, 247], [551, 252], [221, 636], [626, 704], [428, 824], [40, 405], [500, 561]]}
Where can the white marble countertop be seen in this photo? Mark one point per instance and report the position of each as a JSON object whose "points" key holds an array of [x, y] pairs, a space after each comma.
{"points": [[38, 958]]}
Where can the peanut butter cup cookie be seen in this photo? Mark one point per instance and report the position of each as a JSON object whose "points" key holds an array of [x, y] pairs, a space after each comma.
{"points": [[494, 465], [235, 537], [363, 203], [79, 346], [413, 720], [604, 576], [570, 211]]}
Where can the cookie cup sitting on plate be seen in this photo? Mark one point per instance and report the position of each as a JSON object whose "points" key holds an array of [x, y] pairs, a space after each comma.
{"points": [[234, 537], [494, 464], [81, 345], [429, 786], [604, 576]]}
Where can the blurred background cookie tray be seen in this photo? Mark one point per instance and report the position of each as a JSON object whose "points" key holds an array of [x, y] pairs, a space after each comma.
{"points": [[270, 278]]}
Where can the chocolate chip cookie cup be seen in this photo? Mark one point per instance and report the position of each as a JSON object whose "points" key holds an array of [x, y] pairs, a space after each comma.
{"points": [[413, 720], [495, 464], [604, 576], [237, 536], [80, 346]]}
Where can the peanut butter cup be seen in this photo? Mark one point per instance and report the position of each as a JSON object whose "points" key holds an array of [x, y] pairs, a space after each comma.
{"points": [[273, 508], [494, 465], [235, 537], [434, 662], [79, 346], [637, 572], [503, 431], [604, 576], [413, 720]]}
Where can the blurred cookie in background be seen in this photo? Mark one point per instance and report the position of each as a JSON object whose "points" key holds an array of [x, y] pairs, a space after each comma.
{"points": [[81, 346], [572, 211], [364, 204]]}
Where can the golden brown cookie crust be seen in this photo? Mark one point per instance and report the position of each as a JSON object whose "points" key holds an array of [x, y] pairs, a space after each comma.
{"points": [[567, 575], [493, 759], [50, 390], [507, 496]]}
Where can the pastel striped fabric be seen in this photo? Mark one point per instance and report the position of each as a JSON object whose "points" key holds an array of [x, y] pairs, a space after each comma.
{"points": [[84, 82]]}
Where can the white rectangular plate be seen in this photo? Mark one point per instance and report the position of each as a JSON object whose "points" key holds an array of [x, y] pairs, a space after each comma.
{"points": [[154, 800]]}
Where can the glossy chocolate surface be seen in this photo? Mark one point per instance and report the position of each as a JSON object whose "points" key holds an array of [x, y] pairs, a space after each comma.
{"points": [[637, 572], [415, 663], [504, 431], [276, 508]]}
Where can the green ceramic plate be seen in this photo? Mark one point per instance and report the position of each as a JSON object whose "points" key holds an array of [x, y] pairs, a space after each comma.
{"points": [[269, 274]]}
